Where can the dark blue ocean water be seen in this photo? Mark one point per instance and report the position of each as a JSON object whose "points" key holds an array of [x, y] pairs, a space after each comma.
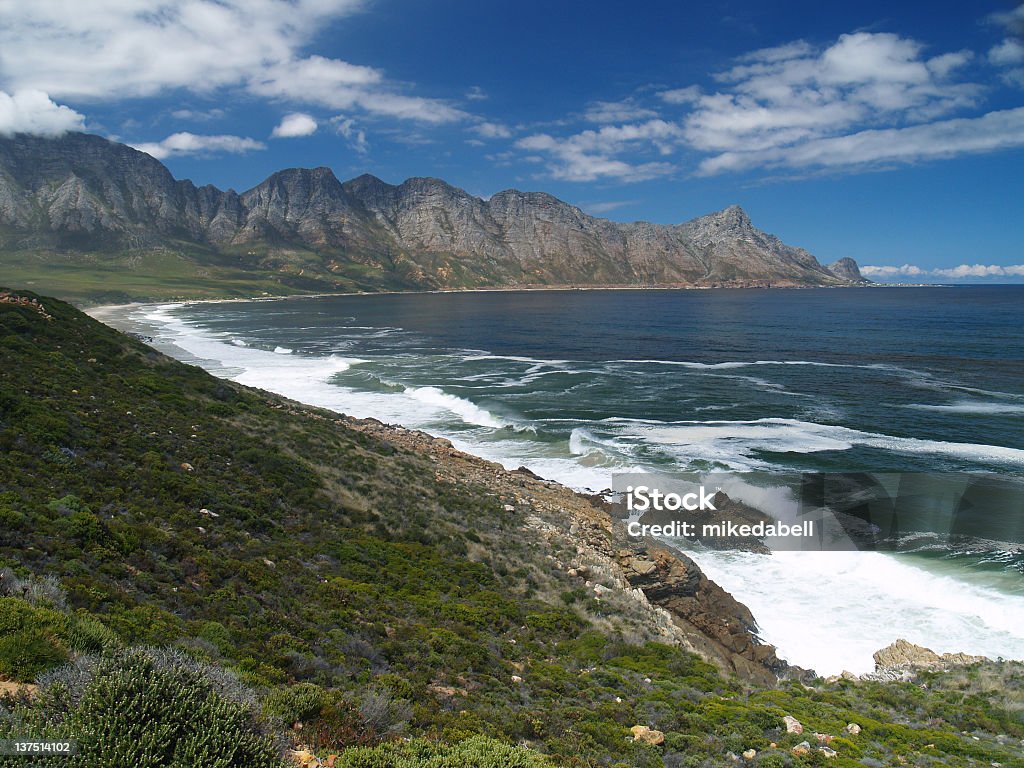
{"points": [[897, 379]]}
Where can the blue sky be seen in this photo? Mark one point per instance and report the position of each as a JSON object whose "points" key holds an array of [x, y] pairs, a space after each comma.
{"points": [[889, 132]]}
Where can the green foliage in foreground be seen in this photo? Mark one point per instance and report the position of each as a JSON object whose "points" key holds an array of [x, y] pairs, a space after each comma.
{"points": [[143, 502], [474, 752], [146, 708]]}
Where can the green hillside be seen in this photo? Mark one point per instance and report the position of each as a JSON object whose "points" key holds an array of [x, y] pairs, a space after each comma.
{"points": [[200, 574]]}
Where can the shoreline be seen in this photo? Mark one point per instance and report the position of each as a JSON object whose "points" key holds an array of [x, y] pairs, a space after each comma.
{"points": [[398, 433], [89, 309]]}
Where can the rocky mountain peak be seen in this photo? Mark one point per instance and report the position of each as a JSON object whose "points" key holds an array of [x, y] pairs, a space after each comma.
{"points": [[422, 233], [733, 217], [847, 269]]}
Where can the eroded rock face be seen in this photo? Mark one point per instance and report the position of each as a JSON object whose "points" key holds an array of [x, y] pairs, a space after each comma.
{"points": [[905, 655], [665, 591], [847, 269], [84, 192]]}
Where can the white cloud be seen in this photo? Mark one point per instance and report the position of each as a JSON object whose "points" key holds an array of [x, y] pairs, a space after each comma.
{"points": [[868, 99], [991, 132], [624, 111], [476, 93], [489, 130], [687, 95], [594, 154], [355, 137], [907, 270], [1012, 21], [199, 115], [293, 125], [607, 207], [31, 111], [786, 96], [981, 270], [185, 143], [121, 48], [954, 273], [1009, 54]]}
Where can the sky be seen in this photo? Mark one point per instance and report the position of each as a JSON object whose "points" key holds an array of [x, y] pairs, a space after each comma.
{"points": [[889, 132]]}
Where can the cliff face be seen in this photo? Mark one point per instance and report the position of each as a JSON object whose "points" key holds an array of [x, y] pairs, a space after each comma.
{"points": [[84, 192]]}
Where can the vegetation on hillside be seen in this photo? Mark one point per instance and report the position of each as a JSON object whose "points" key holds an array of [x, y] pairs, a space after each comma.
{"points": [[251, 575]]}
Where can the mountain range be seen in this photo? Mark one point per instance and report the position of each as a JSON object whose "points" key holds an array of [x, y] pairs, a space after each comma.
{"points": [[81, 195]]}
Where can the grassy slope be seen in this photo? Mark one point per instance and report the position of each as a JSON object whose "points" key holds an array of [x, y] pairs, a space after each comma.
{"points": [[340, 563]]}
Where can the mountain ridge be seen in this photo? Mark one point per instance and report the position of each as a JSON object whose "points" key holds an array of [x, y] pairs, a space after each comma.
{"points": [[87, 195]]}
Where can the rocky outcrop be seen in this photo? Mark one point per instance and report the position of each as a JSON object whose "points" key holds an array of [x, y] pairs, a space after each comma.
{"points": [[83, 193], [666, 593], [847, 269], [904, 655]]}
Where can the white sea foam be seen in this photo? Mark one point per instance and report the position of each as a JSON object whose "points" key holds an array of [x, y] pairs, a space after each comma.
{"points": [[728, 364], [830, 611], [969, 407], [282, 351], [466, 410], [734, 441]]}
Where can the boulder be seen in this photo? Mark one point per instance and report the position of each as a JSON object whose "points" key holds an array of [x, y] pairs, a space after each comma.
{"points": [[803, 748], [792, 724], [646, 735], [852, 728], [904, 654], [750, 754]]}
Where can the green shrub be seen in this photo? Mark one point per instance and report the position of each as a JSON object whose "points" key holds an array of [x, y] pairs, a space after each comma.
{"points": [[28, 652], [296, 702], [148, 708], [475, 752]]}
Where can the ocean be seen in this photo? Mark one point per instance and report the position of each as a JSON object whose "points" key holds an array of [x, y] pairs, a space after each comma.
{"points": [[579, 385]]}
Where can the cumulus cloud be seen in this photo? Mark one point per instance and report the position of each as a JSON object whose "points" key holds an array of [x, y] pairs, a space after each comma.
{"points": [[489, 130], [981, 270], [687, 95], [625, 111], [31, 111], [906, 270], [868, 99], [786, 96], [293, 125], [1009, 54], [945, 138], [595, 154], [355, 137], [186, 143], [954, 273], [118, 49]]}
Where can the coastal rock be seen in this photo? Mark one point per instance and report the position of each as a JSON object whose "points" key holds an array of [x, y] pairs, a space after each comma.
{"points": [[905, 655], [749, 754], [803, 748], [853, 729], [646, 735]]}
